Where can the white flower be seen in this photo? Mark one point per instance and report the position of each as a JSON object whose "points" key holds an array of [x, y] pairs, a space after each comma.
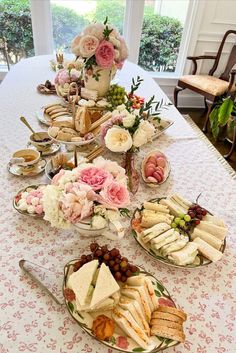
{"points": [[128, 120], [100, 210], [88, 45], [117, 54], [143, 134], [98, 222], [95, 29], [121, 108], [52, 212], [69, 176], [118, 139], [114, 41], [112, 215]]}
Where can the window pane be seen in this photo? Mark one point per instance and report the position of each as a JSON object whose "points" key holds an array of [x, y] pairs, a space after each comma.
{"points": [[16, 28], [71, 16], [162, 29]]}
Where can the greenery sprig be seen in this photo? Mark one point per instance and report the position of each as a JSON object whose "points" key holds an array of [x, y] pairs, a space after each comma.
{"points": [[106, 31]]}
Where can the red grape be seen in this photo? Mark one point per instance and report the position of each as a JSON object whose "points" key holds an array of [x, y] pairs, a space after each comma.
{"points": [[197, 221], [123, 278], [117, 275], [93, 247]]}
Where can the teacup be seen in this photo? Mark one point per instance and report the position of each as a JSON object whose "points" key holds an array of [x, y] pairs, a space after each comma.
{"points": [[44, 144], [29, 157]]}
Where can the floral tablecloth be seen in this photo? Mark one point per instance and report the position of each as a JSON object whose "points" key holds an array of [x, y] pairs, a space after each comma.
{"points": [[30, 321]]}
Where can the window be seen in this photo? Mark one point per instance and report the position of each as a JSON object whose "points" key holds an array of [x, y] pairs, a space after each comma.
{"points": [[70, 17], [16, 28], [163, 22]]}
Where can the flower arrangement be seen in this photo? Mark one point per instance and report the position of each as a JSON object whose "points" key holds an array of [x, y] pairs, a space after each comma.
{"points": [[130, 127], [100, 44], [72, 72], [92, 192]]}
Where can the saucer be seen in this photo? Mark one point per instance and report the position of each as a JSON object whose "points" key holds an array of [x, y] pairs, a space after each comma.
{"points": [[55, 147], [27, 171]]}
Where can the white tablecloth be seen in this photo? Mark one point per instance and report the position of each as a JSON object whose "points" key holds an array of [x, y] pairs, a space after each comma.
{"points": [[30, 320]]}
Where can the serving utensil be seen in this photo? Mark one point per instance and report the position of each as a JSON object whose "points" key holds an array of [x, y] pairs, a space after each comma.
{"points": [[36, 135]]}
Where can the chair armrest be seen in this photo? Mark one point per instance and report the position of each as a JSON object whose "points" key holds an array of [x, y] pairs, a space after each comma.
{"points": [[195, 58], [231, 81]]}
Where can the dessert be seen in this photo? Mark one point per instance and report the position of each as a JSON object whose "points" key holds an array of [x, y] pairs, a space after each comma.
{"points": [[103, 327], [60, 161], [155, 168], [29, 201]]}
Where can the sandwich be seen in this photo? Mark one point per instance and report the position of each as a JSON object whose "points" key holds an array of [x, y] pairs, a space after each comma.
{"points": [[156, 230], [186, 255], [215, 220], [155, 207], [217, 231], [207, 250], [207, 237], [105, 286], [151, 218], [165, 238], [174, 311], [126, 322], [174, 208], [168, 332], [175, 245], [156, 315], [138, 293], [181, 201], [135, 310], [80, 281]]}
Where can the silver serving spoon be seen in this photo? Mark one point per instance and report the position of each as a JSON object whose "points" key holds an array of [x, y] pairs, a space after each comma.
{"points": [[36, 136]]}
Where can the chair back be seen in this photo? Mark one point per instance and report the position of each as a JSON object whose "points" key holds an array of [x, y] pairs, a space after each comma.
{"points": [[231, 60]]}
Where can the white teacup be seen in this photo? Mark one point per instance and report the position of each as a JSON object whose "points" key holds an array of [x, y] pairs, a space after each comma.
{"points": [[26, 157], [44, 144]]}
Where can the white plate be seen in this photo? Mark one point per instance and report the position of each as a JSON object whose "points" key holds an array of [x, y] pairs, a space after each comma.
{"points": [[42, 118], [82, 143], [28, 171], [55, 147]]}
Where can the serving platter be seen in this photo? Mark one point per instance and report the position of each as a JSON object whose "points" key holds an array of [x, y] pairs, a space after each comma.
{"points": [[136, 233], [85, 319], [17, 197], [161, 126]]}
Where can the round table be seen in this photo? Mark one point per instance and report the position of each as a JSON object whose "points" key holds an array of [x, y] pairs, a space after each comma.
{"points": [[30, 320]]}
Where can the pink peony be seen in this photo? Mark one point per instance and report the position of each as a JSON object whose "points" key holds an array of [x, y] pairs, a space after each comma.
{"points": [[88, 45], [62, 77], [114, 195], [122, 342], [94, 177], [57, 177], [77, 202], [105, 54]]}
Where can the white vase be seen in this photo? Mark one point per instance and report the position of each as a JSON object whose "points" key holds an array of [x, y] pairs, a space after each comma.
{"points": [[98, 79]]}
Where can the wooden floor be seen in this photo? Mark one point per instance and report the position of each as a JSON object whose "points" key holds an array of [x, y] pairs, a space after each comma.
{"points": [[222, 146]]}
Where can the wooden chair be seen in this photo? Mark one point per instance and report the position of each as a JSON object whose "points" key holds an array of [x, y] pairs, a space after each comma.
{"points": [[3, 48], [210, 86]]}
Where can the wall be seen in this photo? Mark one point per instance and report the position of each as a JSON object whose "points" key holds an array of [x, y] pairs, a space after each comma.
{"points": [[213, 19]]}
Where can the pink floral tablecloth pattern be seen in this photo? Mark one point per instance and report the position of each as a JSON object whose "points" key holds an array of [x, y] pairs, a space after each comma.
{"points": [[30, 321]]}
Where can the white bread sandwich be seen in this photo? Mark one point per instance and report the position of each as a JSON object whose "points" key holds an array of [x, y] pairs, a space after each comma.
{"points": [[217, 231], [175, 246], [155, 207], [126, 322], [207, 250], [209, 238], [174, 208], [181, 201], [105, 286], [150, 219], [138, 293], [156, 230], [81, 280], [185, 256], [135, 310], [215, 220], [157, 243]]}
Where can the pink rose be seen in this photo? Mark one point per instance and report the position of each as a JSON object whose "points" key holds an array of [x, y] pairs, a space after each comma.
{"points": [[105, 54], [88, 45], [122, 342], [76, 203], [95, 177], [114, 195], [62, 77]]}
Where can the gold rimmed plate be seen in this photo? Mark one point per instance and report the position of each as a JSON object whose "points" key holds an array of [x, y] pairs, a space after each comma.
{"points": [[85, 319], [136, 232], [27, 171]]}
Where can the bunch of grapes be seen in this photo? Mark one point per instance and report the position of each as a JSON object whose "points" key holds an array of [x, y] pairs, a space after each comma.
{"points": [[116, 95], [118, 265], [182, 223], [196, 213]]}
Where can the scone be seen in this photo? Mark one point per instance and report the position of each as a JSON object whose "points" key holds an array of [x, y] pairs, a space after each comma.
{"points": [[63, 121], [53, 131], [64, 136]]}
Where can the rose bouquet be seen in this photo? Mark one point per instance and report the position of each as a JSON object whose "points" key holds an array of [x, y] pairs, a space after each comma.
{"points": [[92, 196], [103, 50], [72, 72]]}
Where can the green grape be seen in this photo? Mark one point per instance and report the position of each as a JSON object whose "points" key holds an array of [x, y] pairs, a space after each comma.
{"points": [[187, 218], [181, 215], [182, 223], [177, 220], [173, 225]]}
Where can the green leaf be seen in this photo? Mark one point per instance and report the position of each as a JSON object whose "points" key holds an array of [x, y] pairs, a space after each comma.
{"points": [[125, 212], [225, 111], [160, 287], [158, 294], [167, 341], [138, 349], [106, 20], [214, 114], [71, 307], [134, 233], [112, 340]]}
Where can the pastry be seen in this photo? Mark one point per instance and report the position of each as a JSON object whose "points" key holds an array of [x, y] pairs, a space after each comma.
{"points": [[82, 120], [64, 121], [89, 94], [64, 136], [54, 131]]}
